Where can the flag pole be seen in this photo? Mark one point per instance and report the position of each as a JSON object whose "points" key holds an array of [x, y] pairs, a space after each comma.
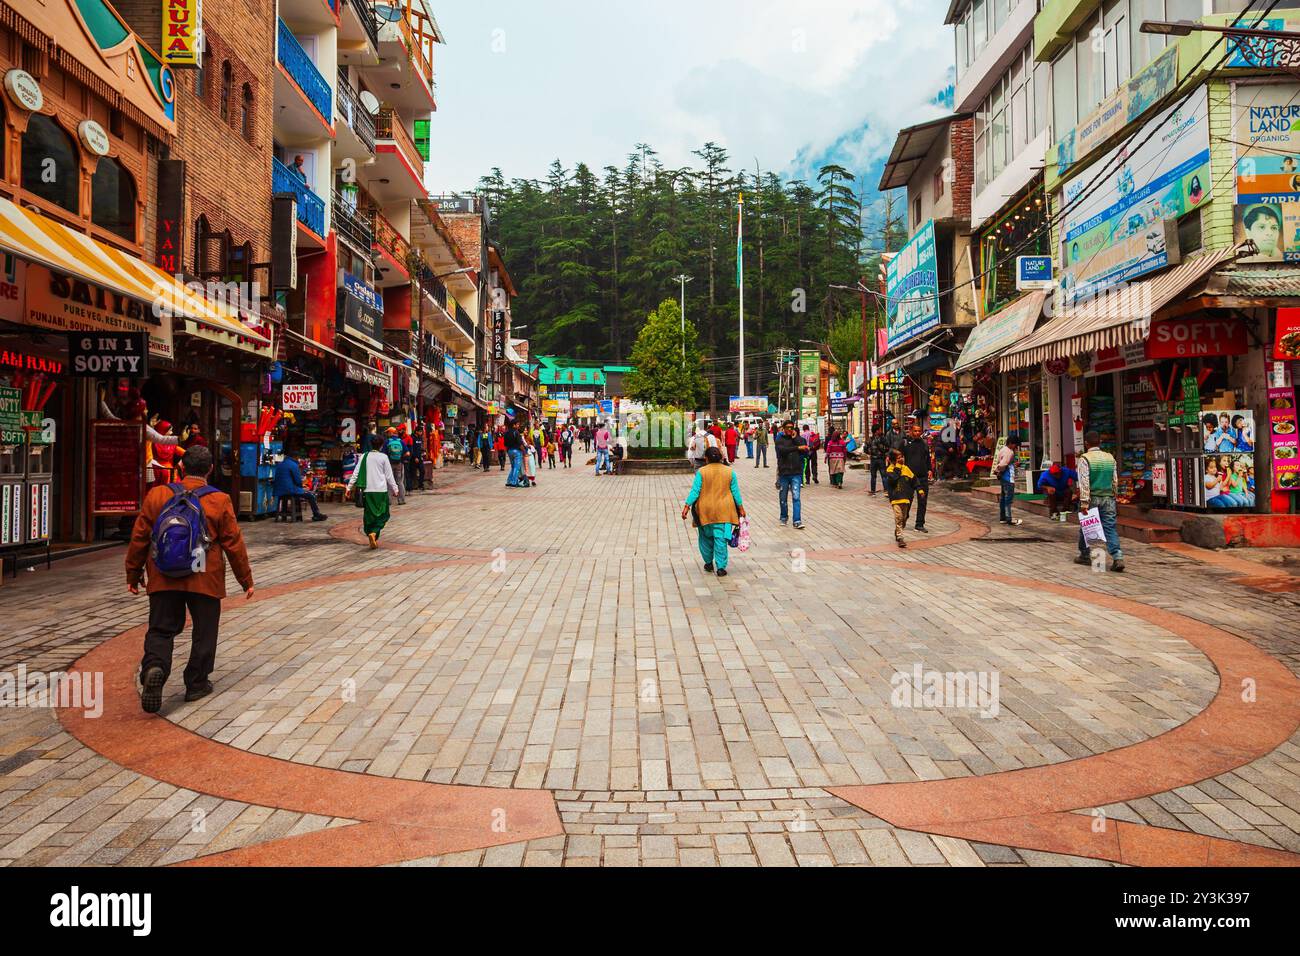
{"points": [[740, 280]]}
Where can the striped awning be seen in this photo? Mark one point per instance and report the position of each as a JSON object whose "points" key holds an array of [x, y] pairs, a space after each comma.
{"points": [[1111, 319], [34, 237]]}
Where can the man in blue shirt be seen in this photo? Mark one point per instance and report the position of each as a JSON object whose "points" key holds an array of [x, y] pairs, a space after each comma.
{"points": [[288, 484], [1061, 486]]}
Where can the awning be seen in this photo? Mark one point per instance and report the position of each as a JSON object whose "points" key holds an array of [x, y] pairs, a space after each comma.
{"points": [[927, 354], [37, 238], [1000, 331], [1112, 319], [361, 372]]}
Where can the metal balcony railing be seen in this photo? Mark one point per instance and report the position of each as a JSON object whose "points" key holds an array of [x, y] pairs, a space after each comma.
{"points": [[387, 238], [464, 321], [352, 224], [433, 285], [366, 14], [303, 71], [311, 208], [359, 119], [388, 126]]}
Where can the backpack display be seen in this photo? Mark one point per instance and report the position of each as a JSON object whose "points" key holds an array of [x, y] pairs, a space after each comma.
{"points": [[180, 538]]}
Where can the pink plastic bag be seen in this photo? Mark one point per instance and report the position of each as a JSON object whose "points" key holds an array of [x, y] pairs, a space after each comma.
{"points": [[743, 545]]}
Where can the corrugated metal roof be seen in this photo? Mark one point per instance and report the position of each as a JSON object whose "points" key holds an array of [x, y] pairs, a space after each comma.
{"points": [[911, 147], [1258, 283], [1112, 319]]}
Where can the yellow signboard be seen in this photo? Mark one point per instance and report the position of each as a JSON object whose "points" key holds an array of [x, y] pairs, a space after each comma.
{"points": [[182, 31]]}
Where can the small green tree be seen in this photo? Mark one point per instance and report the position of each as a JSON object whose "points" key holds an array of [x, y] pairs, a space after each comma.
{"points": [[663, 377]]}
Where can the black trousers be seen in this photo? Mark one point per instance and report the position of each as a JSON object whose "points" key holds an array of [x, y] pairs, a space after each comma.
{"points": [[810, 467], [167, 619], [922, 497], [877, 468]]}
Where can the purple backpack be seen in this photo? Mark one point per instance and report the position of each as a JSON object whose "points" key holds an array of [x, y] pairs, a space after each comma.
{"points": [[180, 538]]}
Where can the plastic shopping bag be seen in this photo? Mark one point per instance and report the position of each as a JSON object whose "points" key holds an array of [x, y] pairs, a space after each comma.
{"points": [[742, 535], [1090, 525]]}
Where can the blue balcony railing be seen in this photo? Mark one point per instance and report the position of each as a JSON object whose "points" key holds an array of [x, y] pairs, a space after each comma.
{"points": [[311, 208], [299, 66]]}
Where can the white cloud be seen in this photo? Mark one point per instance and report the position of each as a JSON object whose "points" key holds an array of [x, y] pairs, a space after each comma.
{"points": [[582, 80]]}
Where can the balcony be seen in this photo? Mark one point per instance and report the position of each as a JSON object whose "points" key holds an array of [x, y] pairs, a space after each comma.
{"points": [[360, 13], [407, 35], [313, 113], [397, 175], [394, 250], [358, 142], [463, 320], [311, 208], [351, 224]]}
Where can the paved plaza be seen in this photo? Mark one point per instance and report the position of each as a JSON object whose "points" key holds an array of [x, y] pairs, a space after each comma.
{"points": [[548, 677]]}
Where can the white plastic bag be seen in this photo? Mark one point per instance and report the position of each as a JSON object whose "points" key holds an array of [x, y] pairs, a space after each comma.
{"points": [[1090, 525]]}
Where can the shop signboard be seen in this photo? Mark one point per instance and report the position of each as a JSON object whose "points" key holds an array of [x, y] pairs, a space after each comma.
{"points": [[1286, 344], [1122, 107], [1160, 479], [299, 398], [1120, 358], [499, 337], [1266, 130], [1000, 331], [66, 304], [550, 408], [182, 32], [1196, 336], [11, 416], [1191, 400], [13, 277], [912, 305], [116, 467], [1120, 228], [361, 311], [748, 404], [1284, 429], [1034, 272], [810, 379], [107, 353]]}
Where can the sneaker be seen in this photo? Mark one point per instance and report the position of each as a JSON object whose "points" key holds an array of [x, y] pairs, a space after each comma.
{"points": [[722, 572], [798, 526], [922, 530], [708, 568], [1083, 560], [1118, 565], [784, 523], [198, 693], [321, 518], [150, 685], [1017, 523]]}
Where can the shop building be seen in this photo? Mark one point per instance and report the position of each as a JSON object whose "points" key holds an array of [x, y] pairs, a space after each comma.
{"points": [[103, 339]]}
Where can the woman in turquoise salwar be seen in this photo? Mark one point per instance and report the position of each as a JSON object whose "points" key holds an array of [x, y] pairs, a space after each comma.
{"points": [[715, 497], [373, 480]]}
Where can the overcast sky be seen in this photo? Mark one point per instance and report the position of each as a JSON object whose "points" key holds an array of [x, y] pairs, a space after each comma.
{"points": [[523, 82]]}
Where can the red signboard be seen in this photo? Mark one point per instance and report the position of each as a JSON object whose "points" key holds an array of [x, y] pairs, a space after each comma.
{"points": [[116, 467], [1286, 346], [1196, 337]]}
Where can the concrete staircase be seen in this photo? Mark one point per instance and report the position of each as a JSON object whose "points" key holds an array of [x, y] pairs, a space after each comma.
{"points": [[1132, 522]]}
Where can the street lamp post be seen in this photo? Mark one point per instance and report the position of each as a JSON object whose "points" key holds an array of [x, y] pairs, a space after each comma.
{"points": [[683, 279]]}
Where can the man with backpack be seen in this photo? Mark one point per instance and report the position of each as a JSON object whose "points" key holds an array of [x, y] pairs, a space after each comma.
{"points": [[181, 538], [397, 452]]}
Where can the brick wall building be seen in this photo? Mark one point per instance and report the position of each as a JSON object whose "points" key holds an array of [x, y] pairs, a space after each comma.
{"points": [[223, 120]]}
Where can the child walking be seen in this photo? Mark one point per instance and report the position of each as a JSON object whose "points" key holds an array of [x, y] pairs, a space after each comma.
{"points": [[900, 485]]}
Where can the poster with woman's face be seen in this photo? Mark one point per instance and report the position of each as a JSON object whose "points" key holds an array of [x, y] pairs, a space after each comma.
{"points": [[1274, 227]]}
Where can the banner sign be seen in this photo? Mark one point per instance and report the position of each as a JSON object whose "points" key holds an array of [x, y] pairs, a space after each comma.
{"points": [[299, 398], [499, 337], [810, 380], [1122, 107], [65, 304], [1268, 54], [748, 404], [1000, 331], [182, 31], [1282, 425], [11, 417], [361, 310], [1286, 346], [912, 306], [1117, 231], [1034, 272], [107, 353], [1195, 337]]}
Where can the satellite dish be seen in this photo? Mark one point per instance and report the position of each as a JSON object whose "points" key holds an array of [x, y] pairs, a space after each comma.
{"points": [[369, 101], [388, 14]]}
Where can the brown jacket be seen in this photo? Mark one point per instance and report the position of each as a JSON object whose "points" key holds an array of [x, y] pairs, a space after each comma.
{"points": [[716, 504], [223, 528]]}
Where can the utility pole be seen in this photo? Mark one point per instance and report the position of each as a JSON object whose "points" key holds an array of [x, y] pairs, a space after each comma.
{"points": [[683, 279], [740, 275]]}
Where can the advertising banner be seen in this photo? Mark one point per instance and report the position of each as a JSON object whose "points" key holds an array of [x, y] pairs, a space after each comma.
{"points": [[11, 416], [107, 353], [1264, 54], [361, 311], [1286, 346], [1195, 336], [298, 398], [182, 27], [748, 404], [65, 304], [1266, 130], [1117, 230], [810, 379], [1282, 426], [912, 306], [1000, 331], [1122, 107]]}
